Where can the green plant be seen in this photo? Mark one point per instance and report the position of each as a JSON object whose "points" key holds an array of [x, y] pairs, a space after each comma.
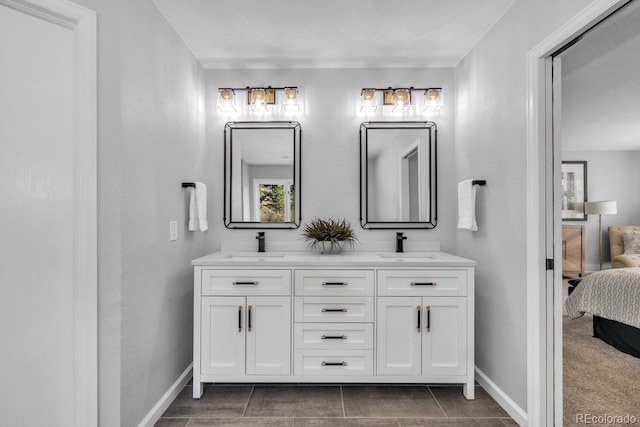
{"points": [[328, 230]]}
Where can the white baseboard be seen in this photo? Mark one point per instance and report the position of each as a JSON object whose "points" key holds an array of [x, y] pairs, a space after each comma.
{"points": [[158, 409], [514, 411]]}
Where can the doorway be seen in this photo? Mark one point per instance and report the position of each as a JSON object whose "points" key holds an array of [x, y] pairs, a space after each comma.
{"points": [[593, 129], [544, 336]]}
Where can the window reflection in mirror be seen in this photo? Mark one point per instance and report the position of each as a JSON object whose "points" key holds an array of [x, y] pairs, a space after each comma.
{"points": [[262, 174], [398, 174]]}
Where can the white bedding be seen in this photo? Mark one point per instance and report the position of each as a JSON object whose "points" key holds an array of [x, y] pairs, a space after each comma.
{"points": [[612, 294]]}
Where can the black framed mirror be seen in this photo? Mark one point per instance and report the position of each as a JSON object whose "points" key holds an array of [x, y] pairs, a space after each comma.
{"points": [[262, 175], [398, 175]]}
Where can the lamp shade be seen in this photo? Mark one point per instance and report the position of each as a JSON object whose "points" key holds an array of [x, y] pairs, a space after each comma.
{"points": [[601, 208]]}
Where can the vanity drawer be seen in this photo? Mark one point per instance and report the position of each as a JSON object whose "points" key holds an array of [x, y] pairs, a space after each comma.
{"points": [[334, 282], [318, 336], [333, 362], [333, 309], [422, 282], [246, 282]]}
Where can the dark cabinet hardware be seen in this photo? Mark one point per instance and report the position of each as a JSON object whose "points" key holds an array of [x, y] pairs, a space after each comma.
{"points": [[343, 363], [419, 311], [335, 283], [249, 320], [423, 283], [239, 318], [428, 318], [333, 337], [254, 283], [334, 310]]}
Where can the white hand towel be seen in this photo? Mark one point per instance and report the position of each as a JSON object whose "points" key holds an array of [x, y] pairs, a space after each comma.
{"points": [[198, 208], [467, 205]]}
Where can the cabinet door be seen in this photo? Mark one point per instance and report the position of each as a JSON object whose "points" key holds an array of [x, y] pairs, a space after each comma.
{"points": [[223, 330], [444, 338], [268, 335], [399, 335]]}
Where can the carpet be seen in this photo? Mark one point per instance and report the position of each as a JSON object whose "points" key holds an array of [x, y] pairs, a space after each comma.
{"points": [[598, 380]]}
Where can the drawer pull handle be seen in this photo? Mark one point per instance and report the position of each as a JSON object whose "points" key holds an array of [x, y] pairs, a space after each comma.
{"points": [[335, 283], [343, 363], [428, 318], [419, 311], [423, 283], [335, 310], [333, 337], [254, 283], [239, 318], [249, 322]]}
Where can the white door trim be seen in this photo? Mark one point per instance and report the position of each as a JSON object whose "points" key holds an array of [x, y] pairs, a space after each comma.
{"points": [[85, 287], [537, 61]]}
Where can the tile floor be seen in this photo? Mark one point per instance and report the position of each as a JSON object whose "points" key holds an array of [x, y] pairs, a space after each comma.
{"points": [[334, 405]]}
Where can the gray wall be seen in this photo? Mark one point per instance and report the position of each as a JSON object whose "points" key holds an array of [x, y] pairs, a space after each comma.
{"points": [[611, 175], [330, 145], [491, 144], [162, 145], [150, 138]]}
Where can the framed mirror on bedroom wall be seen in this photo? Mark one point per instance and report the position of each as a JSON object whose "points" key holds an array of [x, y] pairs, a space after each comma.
{"points": [[262, 163], [574, 190]]}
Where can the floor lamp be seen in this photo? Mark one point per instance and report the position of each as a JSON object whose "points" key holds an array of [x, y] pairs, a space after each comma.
{"points": [[600, 208]]}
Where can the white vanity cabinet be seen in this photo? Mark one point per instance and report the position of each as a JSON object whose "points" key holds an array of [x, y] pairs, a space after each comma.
{"points": [[424, 325], [242, 324], [334, 315], [359, 318]]}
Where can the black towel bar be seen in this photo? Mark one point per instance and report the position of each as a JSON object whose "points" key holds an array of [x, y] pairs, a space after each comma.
{"points": [[188, 184], [479, 182]]}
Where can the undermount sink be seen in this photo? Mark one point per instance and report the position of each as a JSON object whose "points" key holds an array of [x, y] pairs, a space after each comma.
{"points": [[408, 256], [254, 255]]}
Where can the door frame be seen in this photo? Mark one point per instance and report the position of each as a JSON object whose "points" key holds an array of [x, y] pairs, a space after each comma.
{"points": [[82, 22], [544, 371]]}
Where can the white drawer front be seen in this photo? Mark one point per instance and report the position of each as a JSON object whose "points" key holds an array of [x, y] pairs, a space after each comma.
{"points": [[334, 309], [246, 282], [422, 283], [334, 282], [333, 362], [318, 336]]}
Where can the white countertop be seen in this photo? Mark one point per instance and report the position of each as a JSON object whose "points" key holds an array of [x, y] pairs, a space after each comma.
{"points": [[346, 259]]}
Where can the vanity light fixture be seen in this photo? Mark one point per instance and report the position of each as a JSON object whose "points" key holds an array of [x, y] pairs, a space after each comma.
{"points": [[227, 101], [259, 98], [369, 104], [432, 100], [290, 102], [401, 99]]}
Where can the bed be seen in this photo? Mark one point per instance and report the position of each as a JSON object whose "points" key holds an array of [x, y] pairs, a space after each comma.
{"points": [[613, 298]]}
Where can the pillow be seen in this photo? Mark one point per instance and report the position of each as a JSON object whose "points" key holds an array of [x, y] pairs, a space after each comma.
{"points": [[631, 240]]}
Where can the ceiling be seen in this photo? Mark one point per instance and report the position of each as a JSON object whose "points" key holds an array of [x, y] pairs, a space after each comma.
{"points": [[601, 86], [241, 34]]}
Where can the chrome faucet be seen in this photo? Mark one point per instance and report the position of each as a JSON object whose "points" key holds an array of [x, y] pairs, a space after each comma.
{"points": [[399, 242], [260, 238]]}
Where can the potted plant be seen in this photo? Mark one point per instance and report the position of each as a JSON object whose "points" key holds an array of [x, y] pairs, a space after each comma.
{"points": [[328, 235]]}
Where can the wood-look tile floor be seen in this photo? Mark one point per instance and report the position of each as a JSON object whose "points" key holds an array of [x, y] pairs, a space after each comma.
{"points": [[334, 405]]}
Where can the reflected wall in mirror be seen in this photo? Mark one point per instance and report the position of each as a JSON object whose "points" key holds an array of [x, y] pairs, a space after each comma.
{"points": [[398, 182], [262, 174]]}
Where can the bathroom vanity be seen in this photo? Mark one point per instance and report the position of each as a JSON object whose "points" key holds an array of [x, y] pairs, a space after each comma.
{"points": [[357, 317]]}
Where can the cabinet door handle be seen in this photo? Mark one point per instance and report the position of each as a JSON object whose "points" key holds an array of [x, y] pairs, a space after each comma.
{"points": [[249, 322], [333, 337], [419, 311], [335, 283], [428, 318], [254, 283], [343, 363], [239, 318], [335, 310], [423, 283]]}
